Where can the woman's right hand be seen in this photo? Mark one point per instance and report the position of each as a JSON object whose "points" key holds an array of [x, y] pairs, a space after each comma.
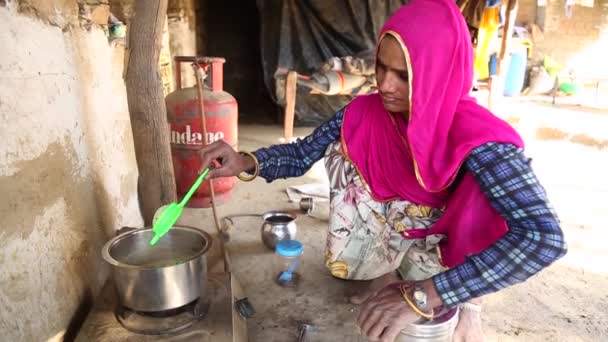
{"points": [[229, 162]]}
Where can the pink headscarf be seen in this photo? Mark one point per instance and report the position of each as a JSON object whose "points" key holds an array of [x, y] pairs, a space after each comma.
{"points": [[419, 160]]}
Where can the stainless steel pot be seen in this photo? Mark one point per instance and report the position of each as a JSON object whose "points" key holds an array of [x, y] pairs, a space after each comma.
{"points": [[166, 276]]}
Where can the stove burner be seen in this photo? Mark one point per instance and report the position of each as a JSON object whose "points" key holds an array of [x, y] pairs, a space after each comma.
{"points": [[162, 322]]}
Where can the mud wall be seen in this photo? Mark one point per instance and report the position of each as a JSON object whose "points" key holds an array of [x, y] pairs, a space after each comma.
{"points": [[68, 175]]}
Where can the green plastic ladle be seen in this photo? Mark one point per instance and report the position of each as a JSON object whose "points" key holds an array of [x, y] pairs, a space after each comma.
{"points": [[173, 211]]}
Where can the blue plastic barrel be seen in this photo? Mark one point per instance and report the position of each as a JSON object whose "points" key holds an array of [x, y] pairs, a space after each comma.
{"points": [[516, 73]]}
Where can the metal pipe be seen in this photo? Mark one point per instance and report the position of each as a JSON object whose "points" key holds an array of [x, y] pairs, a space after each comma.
{"points": [[200, 79]]}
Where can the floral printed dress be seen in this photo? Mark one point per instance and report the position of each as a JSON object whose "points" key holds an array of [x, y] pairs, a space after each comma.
{"points": [[366, 237]]}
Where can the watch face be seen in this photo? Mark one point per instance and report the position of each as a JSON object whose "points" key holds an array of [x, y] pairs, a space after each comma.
{"points": [[419, 296]]}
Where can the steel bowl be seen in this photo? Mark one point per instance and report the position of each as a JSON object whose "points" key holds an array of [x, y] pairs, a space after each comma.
{"points": [[277, 226], [165, 276]]}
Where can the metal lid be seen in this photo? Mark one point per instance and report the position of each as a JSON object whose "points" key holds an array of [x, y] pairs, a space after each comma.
{"points": [[289, 248]]}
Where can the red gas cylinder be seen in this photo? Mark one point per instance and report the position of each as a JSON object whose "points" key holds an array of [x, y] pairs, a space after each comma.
{"points": [[183, 114]]}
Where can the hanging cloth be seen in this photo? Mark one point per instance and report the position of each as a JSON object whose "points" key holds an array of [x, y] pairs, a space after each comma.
{"points": [[488, 26]]}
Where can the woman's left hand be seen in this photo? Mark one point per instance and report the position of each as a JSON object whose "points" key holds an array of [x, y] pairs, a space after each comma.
{"points": [[384, 315]]}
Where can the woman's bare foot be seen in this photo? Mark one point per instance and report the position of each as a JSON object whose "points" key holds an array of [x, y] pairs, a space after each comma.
{"points": [[469, 327], [374, 286]]}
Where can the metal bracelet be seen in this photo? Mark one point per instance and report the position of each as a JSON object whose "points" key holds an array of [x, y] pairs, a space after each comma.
{"points": [[256, 167]]}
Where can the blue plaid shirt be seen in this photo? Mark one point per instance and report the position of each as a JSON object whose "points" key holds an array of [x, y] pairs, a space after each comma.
{"points": [[534, 239]]}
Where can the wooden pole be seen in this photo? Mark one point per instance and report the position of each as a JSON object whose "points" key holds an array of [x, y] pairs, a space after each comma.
{"points": [[505, 34], [147, 106], [290, 104]]}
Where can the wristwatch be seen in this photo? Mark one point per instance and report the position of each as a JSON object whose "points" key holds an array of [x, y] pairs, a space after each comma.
{"points": [[420, 297]]}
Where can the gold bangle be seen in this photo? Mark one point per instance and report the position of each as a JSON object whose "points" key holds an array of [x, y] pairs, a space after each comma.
{"points": [[256, 171], [410, 302]]}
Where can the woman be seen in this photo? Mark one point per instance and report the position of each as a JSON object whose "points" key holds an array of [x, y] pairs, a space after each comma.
{"points": [[425, 183]]}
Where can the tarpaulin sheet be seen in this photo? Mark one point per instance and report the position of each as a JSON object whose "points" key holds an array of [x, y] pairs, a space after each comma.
{"points": [[301, 35]]}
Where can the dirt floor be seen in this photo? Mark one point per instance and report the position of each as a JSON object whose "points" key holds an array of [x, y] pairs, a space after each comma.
{"points": [[567, 302]]}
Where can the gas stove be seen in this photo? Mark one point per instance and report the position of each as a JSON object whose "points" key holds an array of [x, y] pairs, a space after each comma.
{"points": [[221, 317]]}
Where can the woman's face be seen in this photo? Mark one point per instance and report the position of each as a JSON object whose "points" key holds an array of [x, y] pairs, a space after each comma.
{"points": [[392, 76]]}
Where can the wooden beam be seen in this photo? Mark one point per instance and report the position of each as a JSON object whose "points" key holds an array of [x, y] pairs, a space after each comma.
{"points": [[290, 104], [505, 34], [147, 110]]}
